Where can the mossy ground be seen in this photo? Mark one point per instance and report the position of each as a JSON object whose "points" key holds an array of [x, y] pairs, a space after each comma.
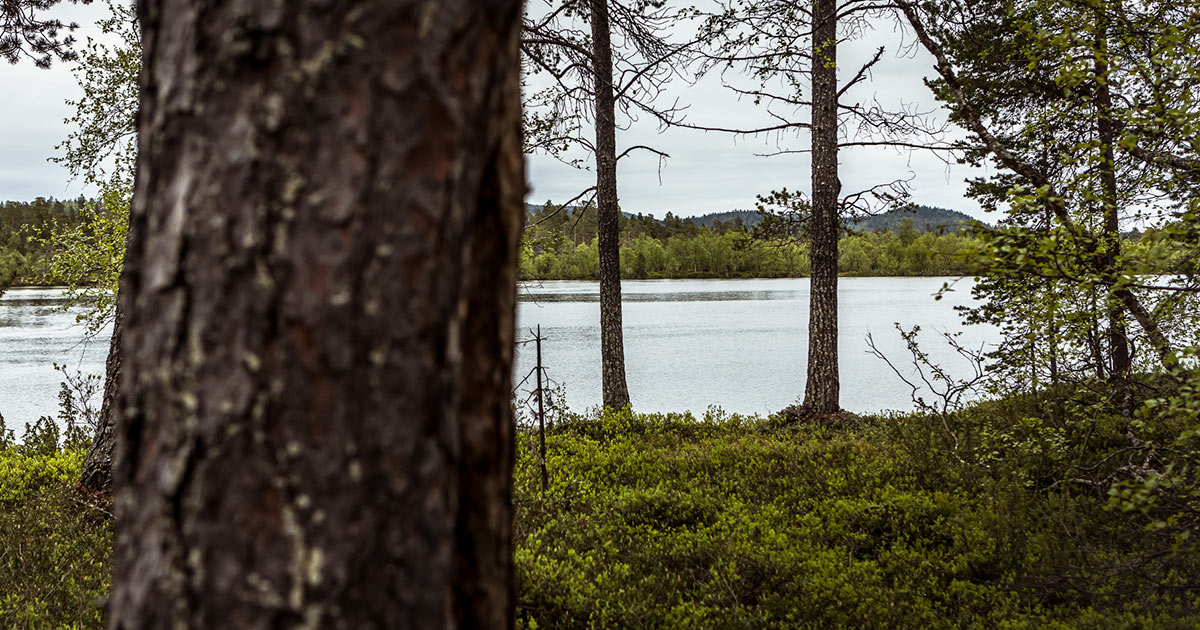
{"points": [[982, 519]]}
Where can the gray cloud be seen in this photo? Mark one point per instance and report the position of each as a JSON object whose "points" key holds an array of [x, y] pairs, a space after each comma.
{"points": [[32, 111], [713, 172], [707, 172]]}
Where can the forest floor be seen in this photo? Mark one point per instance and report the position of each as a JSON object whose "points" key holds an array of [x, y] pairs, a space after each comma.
{"points": [[671, 521]]}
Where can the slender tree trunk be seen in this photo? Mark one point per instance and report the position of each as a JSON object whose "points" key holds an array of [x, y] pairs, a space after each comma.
{"points": [[821, 395], [612, 344], [1052, 342], [316, 425], [1118, 342], [97, 466]]}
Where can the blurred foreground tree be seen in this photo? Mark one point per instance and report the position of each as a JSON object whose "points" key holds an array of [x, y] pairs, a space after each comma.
{"points": [[315, 425]]}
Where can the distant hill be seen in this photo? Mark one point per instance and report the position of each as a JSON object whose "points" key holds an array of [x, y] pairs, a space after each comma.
{"points": [[925, 219], [750, 218]]}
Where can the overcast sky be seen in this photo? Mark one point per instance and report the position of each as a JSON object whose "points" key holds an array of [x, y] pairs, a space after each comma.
{"points": [[707, 172]]}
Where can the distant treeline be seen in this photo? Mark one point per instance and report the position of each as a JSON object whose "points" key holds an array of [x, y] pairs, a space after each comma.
{"points": [[25, 260], [563, 246]]}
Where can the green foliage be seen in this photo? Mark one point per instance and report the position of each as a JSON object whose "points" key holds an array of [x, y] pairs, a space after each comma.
{"points": [[86, 256], [36, 467], [55, 542], [102, 150], [730, 522], [1090, 110], [1164, 491], [11, 264], [24, 258]]}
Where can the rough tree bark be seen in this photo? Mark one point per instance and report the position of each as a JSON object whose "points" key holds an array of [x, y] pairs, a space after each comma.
{"points": [[315, 426], [612, 344], [822, 392]]}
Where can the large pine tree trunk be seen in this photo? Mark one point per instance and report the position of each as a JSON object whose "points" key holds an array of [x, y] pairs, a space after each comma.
{"points": [[822, 392], [315, 425], [612, 344]]}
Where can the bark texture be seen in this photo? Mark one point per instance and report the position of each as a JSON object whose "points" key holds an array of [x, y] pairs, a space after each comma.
{"points": [[612, 343], [97, 466], [822, 392], [315, 428]]}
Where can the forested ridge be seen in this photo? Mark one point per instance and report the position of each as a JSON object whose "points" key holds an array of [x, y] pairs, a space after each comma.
{"points": [[563, 246], [925, 218], [560, 244]]}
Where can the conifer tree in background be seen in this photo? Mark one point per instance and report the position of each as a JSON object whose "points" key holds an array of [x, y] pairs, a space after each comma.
{"points": [[615, 392], [315, 420], [26, 32], [822, 391], [1090, 110], [791, 50], [581, 65]]}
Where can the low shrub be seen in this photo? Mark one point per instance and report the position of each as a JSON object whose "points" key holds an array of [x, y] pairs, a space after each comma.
{"points": [[55, 541], [666, 521]]}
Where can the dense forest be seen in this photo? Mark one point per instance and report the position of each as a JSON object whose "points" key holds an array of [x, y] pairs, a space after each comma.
{"points": [[25, 254], [309, 417], [563, 245]]}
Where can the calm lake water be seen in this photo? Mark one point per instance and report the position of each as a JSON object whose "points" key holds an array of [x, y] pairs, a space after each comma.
{"points": [[35, 333], [738, 344]]}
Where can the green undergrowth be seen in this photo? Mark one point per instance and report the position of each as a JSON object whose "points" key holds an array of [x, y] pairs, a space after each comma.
{"points": [[54, 540], [980, 519], [1000, 516]]}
